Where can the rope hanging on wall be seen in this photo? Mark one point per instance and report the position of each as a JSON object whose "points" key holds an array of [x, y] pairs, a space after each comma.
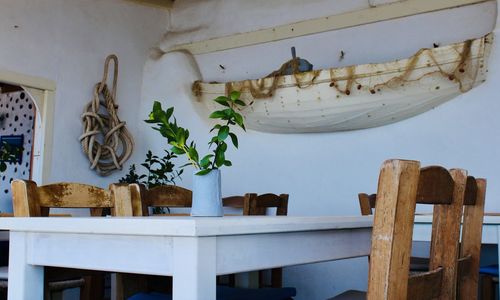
{"points": [[105, 139]]}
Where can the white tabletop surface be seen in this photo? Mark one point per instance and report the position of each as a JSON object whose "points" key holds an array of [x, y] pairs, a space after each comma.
{"points": [[184, 226]]}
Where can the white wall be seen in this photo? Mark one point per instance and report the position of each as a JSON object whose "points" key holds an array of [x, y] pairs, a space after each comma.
{"points": [[67, 41], [321, 172], [324, 172]]}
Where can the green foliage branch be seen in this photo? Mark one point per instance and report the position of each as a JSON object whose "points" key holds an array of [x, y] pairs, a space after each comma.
{"points": [[178, 137]]}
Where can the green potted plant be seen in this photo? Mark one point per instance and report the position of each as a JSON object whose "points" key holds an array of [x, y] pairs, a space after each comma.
{"points": [[207, 199], [8, 154]]}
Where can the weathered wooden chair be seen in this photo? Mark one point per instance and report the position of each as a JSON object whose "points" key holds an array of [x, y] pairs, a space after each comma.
{"points": [[258, 205], [171, 196], [30, 200], [402, 184], [470, 246]]}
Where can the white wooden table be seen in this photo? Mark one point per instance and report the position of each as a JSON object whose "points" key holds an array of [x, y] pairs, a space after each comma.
{"points": [[491, 231], [192, 250]]}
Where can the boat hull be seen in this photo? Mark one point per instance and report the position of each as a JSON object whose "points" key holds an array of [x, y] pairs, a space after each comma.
{"points": [[356, 97]]}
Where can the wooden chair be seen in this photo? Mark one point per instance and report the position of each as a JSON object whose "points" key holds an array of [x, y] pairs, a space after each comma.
{"points": [[171, 196], [30, 200], [470, 246], [258, 205], [402, 184]]}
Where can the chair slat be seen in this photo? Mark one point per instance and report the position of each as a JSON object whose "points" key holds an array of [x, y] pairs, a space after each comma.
{"points": [[470, 191], [367, 203], [425, 285], [73, 195], [435, 186], [258, 205], [160, 196], [446, 234], [464, 266], [397, 190], [167, 195], [471, 243], [234, 201]]}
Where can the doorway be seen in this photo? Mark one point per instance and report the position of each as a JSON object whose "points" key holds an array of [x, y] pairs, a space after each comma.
{"points": [[17, 128], [26, 118]]}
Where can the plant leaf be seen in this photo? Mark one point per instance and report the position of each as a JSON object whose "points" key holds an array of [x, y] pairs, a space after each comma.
{"points": [[193, 154], [177, 150], [217, 126], [222, 100], [235, 95], [238, 119], [239, 102], [203, 172], [217, 114], [228, 163], [220, 157], [234, 139], [205, 162], [169, 113], [223, 133]]}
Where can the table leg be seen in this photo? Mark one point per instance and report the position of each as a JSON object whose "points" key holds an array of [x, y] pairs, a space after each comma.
{"points": [[194, 268], [25, 280]]}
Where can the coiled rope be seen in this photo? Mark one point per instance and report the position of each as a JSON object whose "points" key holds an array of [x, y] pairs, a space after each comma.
{"points": [[105, 139]]}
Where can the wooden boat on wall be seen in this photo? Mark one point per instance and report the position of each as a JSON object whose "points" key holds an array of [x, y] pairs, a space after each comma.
{"points": [[356, 97]]}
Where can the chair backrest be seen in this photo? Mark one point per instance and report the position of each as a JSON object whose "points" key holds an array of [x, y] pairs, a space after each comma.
{"points": [[367, 203], [402, 184], [257, 205], [160, 196], [30, 200], [470, 246]]}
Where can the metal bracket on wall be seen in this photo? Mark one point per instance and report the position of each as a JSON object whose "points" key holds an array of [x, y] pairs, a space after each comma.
{"points": [[374, 14]]}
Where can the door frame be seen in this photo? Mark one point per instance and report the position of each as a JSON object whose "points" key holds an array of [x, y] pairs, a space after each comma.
{"points": [[42, 92]]}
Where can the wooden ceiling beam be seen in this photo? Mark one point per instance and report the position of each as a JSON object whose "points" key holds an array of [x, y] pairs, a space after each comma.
{"points": [[390, 10]]}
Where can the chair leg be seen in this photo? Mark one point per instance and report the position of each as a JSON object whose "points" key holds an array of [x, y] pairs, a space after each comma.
{"points": [[277, 278], [487, 288], [262, 281], [232, 280], [93, 289]]}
